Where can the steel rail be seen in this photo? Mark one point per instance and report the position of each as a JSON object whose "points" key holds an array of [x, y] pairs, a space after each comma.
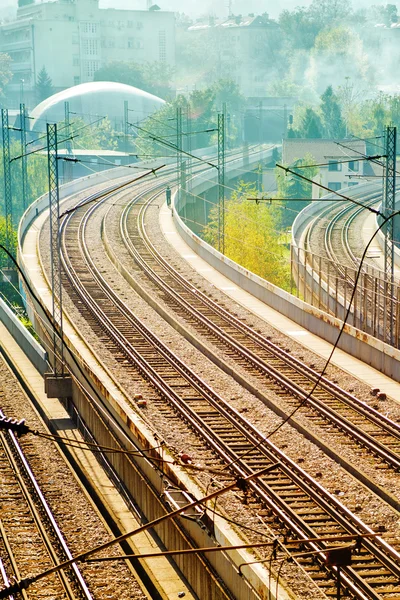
{"points": [[19, 462], [389, 426], [387, 555]]}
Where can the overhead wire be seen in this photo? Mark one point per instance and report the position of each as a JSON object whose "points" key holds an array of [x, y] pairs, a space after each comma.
{"points": [[328, 361]]}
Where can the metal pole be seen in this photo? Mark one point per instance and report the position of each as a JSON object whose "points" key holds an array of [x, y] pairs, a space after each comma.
{"points": [[189, 144], [221, 182], [389, 199], [260, 117], [24, 164], [67, 164], [56, 285], [126, 128], [7, 177], [285, 121], [179, 146]]}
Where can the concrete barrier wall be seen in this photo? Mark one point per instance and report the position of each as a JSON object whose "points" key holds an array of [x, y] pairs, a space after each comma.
{"points": [[357, 343], [25, 340]]}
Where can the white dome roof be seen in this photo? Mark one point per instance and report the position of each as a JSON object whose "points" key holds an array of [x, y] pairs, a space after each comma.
{"points": [[102, 98]]}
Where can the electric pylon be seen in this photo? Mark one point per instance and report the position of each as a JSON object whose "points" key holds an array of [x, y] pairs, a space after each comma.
{"points": [[55, 254]]}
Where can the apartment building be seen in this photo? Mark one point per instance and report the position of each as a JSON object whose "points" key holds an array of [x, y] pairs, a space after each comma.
{"points": [[244, 50], [72, 39]]}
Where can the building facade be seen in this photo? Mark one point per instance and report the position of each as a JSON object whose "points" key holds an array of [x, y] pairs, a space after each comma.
{"points": [[342, 164], [72, 39], [244, 49]]}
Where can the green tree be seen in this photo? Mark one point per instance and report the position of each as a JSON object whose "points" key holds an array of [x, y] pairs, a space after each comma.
{"points": [[334, 126], [199, 114], [37, 179], [44, 85], [299, 27], [311, 126], [252, 235], [386, 14], [297, 191], [327, 11], [338, 53], [5, 71], [155, 78]]}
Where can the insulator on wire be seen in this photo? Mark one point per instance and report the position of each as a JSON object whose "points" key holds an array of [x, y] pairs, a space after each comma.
{"points": [[10, 424]]}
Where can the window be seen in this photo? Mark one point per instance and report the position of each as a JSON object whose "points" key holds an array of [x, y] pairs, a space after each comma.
{"points": [[139, 25], [129, 24], [334, 165], [91, 66], [75, 38], [89, 27], [353, 183], [162, 46], [90, 47], [75, 60], [354, 165], [334, 185], [77, 80]]}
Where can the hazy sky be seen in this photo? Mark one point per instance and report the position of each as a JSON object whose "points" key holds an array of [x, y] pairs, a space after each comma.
{"points": [[196, 7]]}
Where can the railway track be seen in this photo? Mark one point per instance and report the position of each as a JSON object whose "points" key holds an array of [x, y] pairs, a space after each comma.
{"points": [[292, 497], [338, 260], [30, 535], [269, 364]]}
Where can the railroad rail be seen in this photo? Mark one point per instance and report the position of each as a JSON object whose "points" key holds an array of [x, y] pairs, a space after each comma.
{"points": [[259, 356], [296, 500], [326, 265], [29, 531]]}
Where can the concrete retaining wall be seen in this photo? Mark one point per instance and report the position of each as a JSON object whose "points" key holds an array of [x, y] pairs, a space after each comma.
{"points": [[25, 340]]}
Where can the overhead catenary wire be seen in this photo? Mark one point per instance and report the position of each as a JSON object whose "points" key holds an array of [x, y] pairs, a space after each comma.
{"points": [[351, 300], [335, 345], [28, 581]]}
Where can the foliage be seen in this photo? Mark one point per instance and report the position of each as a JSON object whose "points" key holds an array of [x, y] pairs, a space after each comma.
{"points": [[252, 235], [280, 88], [12, 235], [327, 11], [338, 53], [99, 136], [5, 71], [297, 191], [334, 126], [44, 85], [199, 116], [307, 123], [37, 179], [155, 78], [23, 317], [386, 14]]}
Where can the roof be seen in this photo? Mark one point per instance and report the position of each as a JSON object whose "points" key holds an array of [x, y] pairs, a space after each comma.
{"points": [[321, 149], [94, 99], [233, 22]]}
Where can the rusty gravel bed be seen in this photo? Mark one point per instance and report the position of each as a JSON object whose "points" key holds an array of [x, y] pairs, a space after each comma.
{"points": [[289, 492], [24, 549]]}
